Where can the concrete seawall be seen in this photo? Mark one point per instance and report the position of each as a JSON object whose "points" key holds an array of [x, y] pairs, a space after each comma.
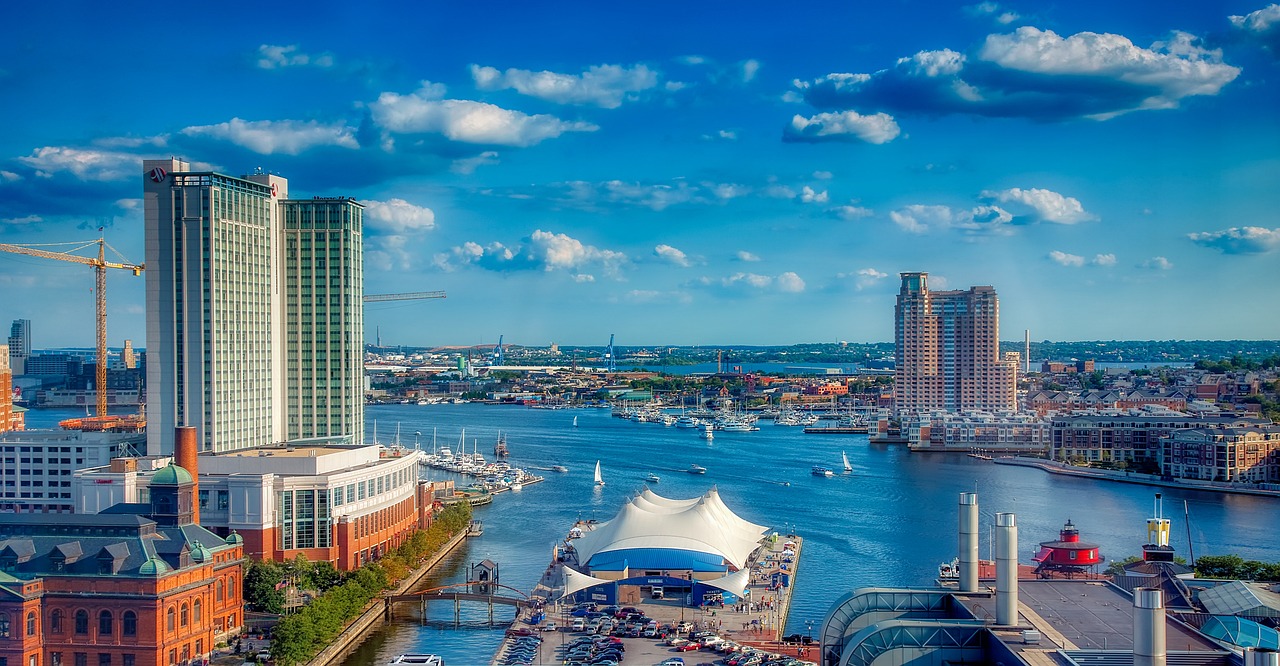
{"points": [[373, 614], [1054, 467]]}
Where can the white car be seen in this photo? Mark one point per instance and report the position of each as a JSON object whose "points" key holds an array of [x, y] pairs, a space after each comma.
{"points": [[550, 626], [710, 641]]}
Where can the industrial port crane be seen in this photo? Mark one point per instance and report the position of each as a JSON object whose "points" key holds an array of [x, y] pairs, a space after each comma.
{"points": [[100, 266]]}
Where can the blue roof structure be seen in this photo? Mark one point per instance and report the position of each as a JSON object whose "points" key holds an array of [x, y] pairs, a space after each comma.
{"points": [[1242, 632], [656, 559]]}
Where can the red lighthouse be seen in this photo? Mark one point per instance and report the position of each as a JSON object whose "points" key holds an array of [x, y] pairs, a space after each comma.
{"points": [[1068, 554]]}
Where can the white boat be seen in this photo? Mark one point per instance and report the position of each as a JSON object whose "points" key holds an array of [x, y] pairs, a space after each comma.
{"points": [[847, 467], [559, 468], [697, 469], [424, 659], [516, 486], [652, 478], [687, 421], [575, 422], [819, 470], [599, 479]]}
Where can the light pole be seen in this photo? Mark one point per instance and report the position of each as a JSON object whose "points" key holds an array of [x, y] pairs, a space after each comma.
{"points": [[808, 625]]}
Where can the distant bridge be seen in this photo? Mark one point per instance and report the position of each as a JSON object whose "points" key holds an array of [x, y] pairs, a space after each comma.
{"points": [[460, 592]]}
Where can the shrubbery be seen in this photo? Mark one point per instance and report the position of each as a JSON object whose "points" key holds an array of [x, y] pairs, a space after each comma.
{"points": [[297, 638]]}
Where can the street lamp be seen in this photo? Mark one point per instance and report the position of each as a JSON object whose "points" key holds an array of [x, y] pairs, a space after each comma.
{"points": [[808, 625]]}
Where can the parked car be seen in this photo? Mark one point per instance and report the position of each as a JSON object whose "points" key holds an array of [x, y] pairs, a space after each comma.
{"points": [[550, 626]]}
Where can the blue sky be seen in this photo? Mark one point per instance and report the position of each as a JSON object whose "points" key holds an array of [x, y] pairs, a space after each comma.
{"points": [[680, 173]]}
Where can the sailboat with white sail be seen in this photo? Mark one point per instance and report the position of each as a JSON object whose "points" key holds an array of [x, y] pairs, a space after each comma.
{"points": [[599, 479], [847, 467]]}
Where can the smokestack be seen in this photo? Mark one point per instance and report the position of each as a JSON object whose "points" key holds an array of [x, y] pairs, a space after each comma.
{"points": [[1261, 657], [185, 449], [1006, 569], [1148, 627], [968, 542]]}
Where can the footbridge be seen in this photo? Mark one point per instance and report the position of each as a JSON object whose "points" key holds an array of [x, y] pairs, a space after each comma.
{"points": [[485, 592]]}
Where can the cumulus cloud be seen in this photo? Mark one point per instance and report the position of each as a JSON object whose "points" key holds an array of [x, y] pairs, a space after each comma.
{"points": [[542, 250], [85, 164], [850, 213], [749, 70], [1043, 205], [863, 278], [1001, 16], [1262, 25], [671, 255], [788, 282], [466, 121], [398, 216], [808, 195], [267, 137], [722, 135], [876, 128], [272, 56], [1156, 264], [1064, 259], [1104, 260], [605, 86], [583, 277], [9, 177], [743, 255], [1239, 240], [920, 219], [1035, 74]]}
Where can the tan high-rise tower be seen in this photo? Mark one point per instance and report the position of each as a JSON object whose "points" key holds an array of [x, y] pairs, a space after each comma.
{"points": [[947, 345]]}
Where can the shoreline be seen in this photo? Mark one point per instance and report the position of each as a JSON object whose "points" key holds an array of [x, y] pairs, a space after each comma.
{"points": [[1053, 467]]}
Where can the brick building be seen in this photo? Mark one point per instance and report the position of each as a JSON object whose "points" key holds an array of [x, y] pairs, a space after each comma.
{"points": [[1130, 437], [140, 584], [1239, 454]]}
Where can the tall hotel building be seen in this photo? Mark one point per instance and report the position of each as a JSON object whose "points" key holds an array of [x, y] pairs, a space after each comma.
{"points": [[254, 310], [947, 345]]}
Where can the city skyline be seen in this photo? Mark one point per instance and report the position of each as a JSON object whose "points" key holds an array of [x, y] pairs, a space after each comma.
{"points": [[706, 176]]}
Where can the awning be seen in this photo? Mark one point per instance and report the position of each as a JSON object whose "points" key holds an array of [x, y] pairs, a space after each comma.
{"points": [[735, 583], [575, 581]]}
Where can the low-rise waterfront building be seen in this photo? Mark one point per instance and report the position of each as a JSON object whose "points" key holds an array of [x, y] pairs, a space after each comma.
{"points": [[1021, 432], [1233, 454], [140, 584], [1131, 436]]}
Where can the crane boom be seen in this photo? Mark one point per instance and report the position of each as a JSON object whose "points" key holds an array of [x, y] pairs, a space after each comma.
{"points": [[100, 266], [411, 296]]}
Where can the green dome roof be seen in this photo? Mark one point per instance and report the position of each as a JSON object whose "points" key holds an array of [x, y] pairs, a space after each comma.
{"points": [[154, 566], [234, 538], [198, 552], [171, 475]]}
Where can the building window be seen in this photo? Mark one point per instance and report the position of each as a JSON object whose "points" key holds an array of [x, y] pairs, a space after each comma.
{"points": [[4, 625], [127, 660], [170, 619], [31, 623], [184, 615], [55, 621], [197, 608], [231, 588], [55, 659], [129, 624], [173, 657], [104, 659], [82, 622], [217, 595], [82, 659], [106, 624]]}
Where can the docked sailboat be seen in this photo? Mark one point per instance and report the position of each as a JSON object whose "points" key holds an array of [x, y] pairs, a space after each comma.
{"points": [[847, 467], [599, 479]]}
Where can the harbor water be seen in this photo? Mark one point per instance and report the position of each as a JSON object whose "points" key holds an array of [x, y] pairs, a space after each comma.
{"points": [[890, 522]]}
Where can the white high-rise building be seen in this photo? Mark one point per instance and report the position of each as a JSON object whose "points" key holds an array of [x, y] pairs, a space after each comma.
{"points": [[235, 301]]}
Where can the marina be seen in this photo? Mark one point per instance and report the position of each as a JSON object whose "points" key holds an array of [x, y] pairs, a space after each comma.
{"points": [[851, 523]]}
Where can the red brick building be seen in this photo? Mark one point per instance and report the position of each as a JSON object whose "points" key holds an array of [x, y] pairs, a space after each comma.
{"points": [[136, 585]]}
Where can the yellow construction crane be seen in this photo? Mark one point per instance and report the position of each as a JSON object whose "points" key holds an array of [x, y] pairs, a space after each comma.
{"points": [[100, 266], [411, 296]]}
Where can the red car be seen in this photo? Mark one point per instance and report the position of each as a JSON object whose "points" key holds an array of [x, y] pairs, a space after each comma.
{"points": [[688, 647]]}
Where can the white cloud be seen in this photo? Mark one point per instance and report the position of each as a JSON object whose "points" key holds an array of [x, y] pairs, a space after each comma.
{"points": [[398, 216], [823, 175], [743, 255], [129, 204], [671, 255], [654, 196], [466, 121], [722, 135], [387, 253], [288, 137], [9, 177], [877, 128], [919, 219], [1156, 264], [1104, 260], [21, 221], [1064, 259], [864, 278], [85, 164], [643, 295], [808, 195], [850, 213], [559, 251], [749, 70], [542, 250], [584, 277], [1046, 205], [605, 86], [468, 165], [271, 56], [1239, 240], [790, 283], [752, 283], [993, 9], [1260, 20]]}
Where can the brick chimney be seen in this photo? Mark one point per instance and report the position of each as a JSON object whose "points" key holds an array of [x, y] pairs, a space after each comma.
{"points": [[185, 448]]}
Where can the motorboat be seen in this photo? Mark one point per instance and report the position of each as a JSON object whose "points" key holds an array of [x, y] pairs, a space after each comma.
{"points": [[687, 422], [559, 468], [652, 478], [423, 659], [819, 470], [697, 469]]}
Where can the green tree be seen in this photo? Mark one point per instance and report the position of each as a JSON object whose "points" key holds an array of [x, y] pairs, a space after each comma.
{"points": [[260, 580], [1116, 567], [1219, 566]]}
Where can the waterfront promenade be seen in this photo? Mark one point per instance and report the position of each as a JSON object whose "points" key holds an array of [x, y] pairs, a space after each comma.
{"points": [[1124, 476]]}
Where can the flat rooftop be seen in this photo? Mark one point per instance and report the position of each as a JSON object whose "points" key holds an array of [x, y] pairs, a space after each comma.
{"points": [[301, 451], [1090, 614]]}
